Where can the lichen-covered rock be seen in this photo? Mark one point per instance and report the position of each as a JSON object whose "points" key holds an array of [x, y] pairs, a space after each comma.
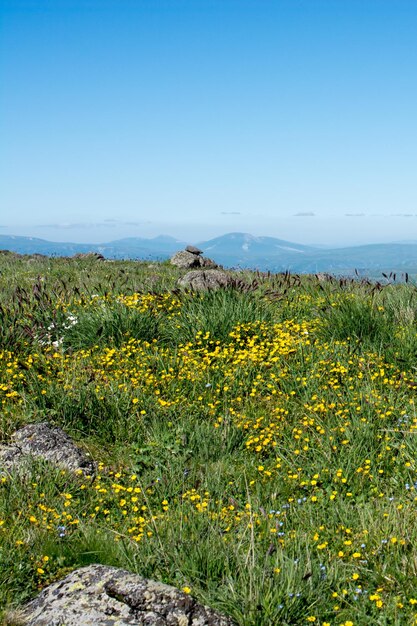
{"points": [[208, 263], [99, 595], [323, 277], [187, 259], [46, 442], [205, 279], [90, 256]]}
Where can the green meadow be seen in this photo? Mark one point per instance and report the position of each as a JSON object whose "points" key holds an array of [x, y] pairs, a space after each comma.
{"points": [[256, 446]]}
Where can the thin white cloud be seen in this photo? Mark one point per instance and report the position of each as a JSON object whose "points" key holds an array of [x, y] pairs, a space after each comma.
{"points": [[86, 225], [304, 214], [393, 215]]}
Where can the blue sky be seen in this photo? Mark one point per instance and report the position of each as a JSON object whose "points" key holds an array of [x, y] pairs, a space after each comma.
{"points": [[295, 119]]}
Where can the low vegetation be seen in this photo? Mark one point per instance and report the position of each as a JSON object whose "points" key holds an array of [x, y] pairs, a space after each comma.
{"points": [[257, 446]]}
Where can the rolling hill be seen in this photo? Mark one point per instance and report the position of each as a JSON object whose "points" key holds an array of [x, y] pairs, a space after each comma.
{"points": [[241, 250]]}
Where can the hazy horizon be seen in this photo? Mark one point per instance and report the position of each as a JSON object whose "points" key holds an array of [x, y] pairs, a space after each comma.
{"points": [[193, 118], [194, 240]]}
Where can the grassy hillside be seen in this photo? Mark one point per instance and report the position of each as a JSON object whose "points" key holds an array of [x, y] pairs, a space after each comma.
{"points": [[257, 446]]}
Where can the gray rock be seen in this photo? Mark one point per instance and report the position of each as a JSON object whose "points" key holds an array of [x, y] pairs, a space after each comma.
{"points": [[323, 277], [205, 279], [205, 262], [99, 595], [193, 250], [189, 260], [93, 256], [185, 259], [45, 442]]}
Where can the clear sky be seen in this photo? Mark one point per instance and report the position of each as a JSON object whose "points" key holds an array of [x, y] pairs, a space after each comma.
{"points": [[289, 118]]}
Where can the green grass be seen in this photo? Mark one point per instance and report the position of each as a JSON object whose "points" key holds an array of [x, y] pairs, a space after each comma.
{"points": [[256, 444]]}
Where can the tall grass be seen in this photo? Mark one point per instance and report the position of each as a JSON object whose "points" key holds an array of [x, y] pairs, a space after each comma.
{"points": [[216, 313]]}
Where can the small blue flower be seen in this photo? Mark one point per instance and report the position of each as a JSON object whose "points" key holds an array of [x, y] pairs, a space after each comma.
{"points": [[61, 531]]}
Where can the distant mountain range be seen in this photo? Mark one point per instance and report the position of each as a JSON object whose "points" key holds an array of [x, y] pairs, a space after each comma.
{"points": [[241, 250]]}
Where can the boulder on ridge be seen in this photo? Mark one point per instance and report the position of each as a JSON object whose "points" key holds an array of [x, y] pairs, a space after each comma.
{"points": [[205, 279]]}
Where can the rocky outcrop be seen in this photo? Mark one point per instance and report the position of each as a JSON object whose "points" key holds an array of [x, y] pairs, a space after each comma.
{"points": [[185, 259], [93, 256], [11, 255], [46, 442], [205, 279], [99, 595], [323, 277], [190, 258]]}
